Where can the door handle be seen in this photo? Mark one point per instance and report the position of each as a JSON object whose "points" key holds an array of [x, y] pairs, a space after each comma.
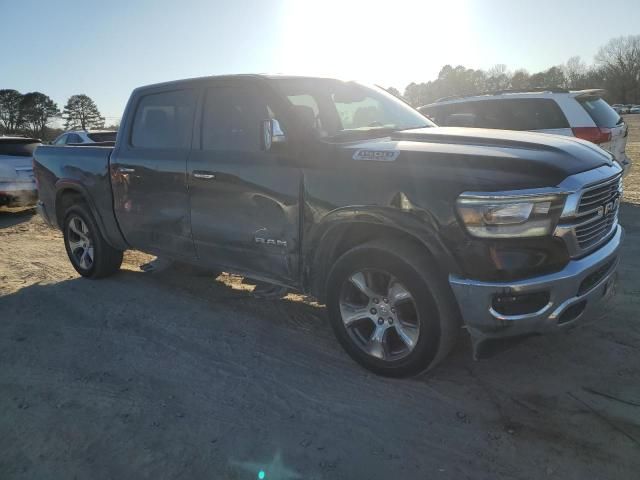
{"points": [[126, 170], [204, 175]]}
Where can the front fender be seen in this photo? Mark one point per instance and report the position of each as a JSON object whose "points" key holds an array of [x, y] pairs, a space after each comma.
{"points": [[323, 240]]}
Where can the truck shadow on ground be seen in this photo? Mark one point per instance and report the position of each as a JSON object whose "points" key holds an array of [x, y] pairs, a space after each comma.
{"points": [[11, 217], [189, 361], [169, 372]]}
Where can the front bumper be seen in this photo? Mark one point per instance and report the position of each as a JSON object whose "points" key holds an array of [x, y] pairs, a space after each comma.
{"points": [[575, 294]]}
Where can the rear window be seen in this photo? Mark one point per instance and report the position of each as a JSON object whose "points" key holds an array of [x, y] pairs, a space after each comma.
{"points": [[600, 111], [18, 149], [164, 120], [102, 136], [506, 114]]}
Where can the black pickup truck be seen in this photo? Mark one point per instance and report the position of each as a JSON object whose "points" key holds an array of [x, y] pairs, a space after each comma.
{"points": [[408, 232]]}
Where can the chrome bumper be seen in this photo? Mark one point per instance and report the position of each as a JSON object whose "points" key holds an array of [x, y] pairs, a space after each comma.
{"points": [[475, 298]]}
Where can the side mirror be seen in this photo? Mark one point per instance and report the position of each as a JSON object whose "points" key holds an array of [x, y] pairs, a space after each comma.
{"points": [[272, 134]]}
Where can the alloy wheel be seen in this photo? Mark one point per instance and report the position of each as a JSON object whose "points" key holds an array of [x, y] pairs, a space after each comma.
{"points": [[379, 314], [80, 242]]}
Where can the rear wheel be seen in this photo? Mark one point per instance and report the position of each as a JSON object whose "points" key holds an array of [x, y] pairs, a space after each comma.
{"points": [[88, 251], [390, 308]]}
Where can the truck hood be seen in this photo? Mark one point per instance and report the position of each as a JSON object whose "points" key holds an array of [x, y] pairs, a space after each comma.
{"points": [[489, 159]]}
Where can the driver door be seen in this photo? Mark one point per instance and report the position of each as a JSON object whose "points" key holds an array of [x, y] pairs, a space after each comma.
{"points": [[244, 198]]}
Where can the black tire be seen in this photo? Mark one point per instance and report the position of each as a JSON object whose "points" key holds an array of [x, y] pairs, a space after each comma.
{"points": [[106, 259], [437, 315]]}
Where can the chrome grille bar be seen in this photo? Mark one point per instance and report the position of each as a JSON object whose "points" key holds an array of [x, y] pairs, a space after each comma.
{"points": [[591, 211]]}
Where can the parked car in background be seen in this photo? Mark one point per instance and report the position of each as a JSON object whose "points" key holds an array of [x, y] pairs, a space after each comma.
{"points": [[17, 183], [635, 109], [583, 114], [75, 137], [620, 109], [405, 231]]}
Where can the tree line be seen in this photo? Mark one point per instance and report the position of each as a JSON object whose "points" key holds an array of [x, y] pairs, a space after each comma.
{"points": [[33, 114], [616, 69]]}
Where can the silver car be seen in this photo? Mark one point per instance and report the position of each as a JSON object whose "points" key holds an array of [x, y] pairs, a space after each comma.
{"points": [[17, 184], [85, 136]]}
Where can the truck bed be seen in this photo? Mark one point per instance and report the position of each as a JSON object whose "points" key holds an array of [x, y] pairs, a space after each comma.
{"points": [[66, 169]]}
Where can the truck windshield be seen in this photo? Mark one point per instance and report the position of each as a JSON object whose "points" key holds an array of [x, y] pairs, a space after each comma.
{"points": [[336, 109]]}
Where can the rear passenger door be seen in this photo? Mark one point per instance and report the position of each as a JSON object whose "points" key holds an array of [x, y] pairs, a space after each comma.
{"points": [[148, 171], [244, 200]]}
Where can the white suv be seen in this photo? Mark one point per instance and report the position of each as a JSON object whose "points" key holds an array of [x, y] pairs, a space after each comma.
{"points": [[583, 114], [85, 136]]}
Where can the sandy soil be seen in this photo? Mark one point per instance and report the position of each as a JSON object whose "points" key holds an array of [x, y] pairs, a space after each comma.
{"points": [[175, 375]]}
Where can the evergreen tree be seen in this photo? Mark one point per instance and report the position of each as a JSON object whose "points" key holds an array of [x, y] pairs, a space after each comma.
{"points": [[82, 112]]}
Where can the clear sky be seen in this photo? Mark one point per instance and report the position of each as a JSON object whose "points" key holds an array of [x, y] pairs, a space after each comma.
{"points": [[106, 48]]}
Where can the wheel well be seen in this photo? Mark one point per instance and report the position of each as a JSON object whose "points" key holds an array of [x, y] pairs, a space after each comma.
{"points": [[65, 199], [342, 238]]}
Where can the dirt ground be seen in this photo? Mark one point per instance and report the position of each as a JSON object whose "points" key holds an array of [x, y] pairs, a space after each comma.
{"points": [[174, 375]]}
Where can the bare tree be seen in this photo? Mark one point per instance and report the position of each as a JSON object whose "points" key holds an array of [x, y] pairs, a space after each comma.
{"points": [[619, 60], [37, 110], [10, 110], [575, 72], [498, 78], [548, 79], [520, 79], [81, 111]]}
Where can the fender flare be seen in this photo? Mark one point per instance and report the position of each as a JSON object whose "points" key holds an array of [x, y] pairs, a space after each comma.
{"points": [[116, 240], [325, 237]]}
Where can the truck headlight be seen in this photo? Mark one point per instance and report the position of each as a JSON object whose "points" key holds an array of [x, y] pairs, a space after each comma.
{"points": [[494, 215]]}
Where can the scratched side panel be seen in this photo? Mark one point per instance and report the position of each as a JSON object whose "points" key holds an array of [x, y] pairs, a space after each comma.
{"points": [[246, 218]]}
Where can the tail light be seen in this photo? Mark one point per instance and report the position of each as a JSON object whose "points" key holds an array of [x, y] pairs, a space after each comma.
{"points": [[593, 134]]}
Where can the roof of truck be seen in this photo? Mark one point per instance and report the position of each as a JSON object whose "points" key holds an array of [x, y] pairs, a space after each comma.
{"points": [[196, 80]]}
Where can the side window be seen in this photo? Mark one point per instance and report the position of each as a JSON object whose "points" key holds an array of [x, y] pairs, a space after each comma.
{"points": [[535, 114], [62, 140], [73, 138], [520, 114], [493, 114], [232, 119], [164, 120], [457, 115], [432, 113], [365, 113], [460, 115], [305, 101], [307, 111]]}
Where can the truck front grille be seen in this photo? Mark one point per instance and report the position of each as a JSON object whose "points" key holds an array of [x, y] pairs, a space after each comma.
{"points": [[598, 212], [598, 195], [590, 215]]}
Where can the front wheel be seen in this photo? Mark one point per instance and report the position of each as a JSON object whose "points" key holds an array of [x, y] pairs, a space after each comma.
{"points": [[88, 251], [390, 308]]}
